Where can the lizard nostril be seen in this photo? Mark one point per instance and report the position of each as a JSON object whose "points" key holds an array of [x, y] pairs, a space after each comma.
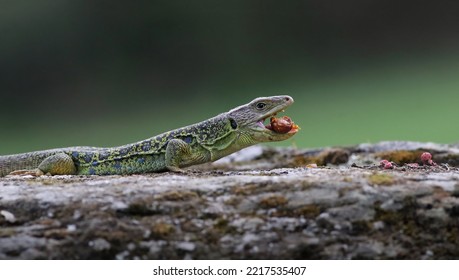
{"points": [[287, 98]]}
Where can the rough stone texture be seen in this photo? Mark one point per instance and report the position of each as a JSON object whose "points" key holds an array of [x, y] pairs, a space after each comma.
{"points": [[261, 203]]}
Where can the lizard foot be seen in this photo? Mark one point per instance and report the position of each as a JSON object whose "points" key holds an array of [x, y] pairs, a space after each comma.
{"points": [[177, 170], [33, 172]]}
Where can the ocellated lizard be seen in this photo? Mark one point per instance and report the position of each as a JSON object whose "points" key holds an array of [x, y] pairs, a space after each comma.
{"points": [[202, 142]]}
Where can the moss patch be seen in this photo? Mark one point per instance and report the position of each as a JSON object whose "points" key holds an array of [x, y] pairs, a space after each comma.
{"points": [[401, 157], [162, 229], [381, 179], [273, 201], [178, 195], [309, 211], [328, 156]]}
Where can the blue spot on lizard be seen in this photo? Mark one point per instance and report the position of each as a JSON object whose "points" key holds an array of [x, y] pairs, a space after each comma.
{"points": [[146, 146], [117, 165], [88, 157]]}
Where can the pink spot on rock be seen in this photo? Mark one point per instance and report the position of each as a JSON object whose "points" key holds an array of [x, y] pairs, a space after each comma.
{"points": [[426, 158], [386, 164]]}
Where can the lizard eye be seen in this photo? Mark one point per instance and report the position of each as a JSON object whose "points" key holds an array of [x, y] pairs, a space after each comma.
{"points": [[233, 123], [260, 105]]}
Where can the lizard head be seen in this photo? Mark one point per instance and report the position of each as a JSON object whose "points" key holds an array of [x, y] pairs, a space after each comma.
{"points": [[248, 120]]}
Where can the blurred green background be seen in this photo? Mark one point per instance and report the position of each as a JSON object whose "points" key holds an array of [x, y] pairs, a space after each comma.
{"points": [[105, 73]]}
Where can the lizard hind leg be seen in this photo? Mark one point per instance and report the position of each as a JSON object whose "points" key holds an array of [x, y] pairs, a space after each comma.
{"points": [[57, 164]]}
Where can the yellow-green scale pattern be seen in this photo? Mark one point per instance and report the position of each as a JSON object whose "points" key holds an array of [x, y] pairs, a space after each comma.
{"points": [[140, 157], [198, 143], [147, 155]]}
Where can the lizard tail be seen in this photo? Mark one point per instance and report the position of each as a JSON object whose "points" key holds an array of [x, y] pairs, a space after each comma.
{"points": [[12, 163], [4, 170]]}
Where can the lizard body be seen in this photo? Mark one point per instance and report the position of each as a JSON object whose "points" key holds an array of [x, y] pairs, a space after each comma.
{"points": [[202, 142]]}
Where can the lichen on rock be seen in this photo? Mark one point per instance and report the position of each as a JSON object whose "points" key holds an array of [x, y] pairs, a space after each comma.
{"points": [[263, 203]]}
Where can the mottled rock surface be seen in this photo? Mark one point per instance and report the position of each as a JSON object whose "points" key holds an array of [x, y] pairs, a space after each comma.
{"points": [[261, 203]]}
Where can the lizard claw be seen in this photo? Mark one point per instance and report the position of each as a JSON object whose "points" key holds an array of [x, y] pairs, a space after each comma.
{"points": [[177, 170], [34, 172]]}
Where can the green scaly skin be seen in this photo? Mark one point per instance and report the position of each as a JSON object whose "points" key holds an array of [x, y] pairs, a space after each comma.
{"points": [[199, 143]]}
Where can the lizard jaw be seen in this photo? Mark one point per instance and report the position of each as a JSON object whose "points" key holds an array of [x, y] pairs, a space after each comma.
{"points": [[268, 127], [251, 118]]}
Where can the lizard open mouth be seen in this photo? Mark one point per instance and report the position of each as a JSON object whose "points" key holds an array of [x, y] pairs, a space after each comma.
{"points": [[282, 125]]}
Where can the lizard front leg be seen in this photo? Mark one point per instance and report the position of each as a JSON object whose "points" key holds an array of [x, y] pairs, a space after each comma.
{"points": [[176, 152], [58, 164], [180, 154]]}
